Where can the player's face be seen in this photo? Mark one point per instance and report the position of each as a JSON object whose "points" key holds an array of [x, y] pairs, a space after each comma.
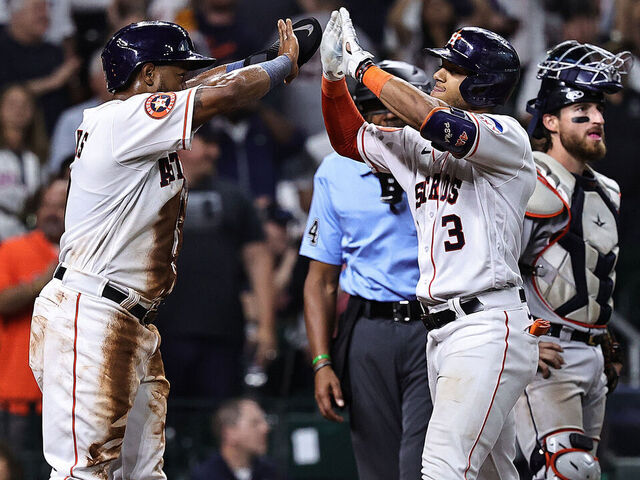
{"points": [[447, 87], [581, 131], [251, 430], [171, 78]]}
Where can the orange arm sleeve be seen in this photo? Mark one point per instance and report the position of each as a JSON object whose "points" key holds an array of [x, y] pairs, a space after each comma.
{"points": [[341, 118]]}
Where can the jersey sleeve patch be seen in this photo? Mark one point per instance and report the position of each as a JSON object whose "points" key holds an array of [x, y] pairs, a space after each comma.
{"points": [[160, 105], [494, 125]]}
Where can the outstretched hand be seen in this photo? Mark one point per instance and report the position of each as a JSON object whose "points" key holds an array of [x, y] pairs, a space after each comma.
{"points": [[289, 47], [352, 52], [331, 49]]}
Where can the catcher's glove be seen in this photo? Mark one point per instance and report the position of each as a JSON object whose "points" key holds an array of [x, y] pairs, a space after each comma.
{"points": [[612, 355]]}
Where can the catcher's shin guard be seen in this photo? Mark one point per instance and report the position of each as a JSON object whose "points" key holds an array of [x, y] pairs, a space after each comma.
{"points": [[568, 455]]}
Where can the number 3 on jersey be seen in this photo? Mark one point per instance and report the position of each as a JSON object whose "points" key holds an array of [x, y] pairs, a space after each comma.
{"points": [[454, 232], [166, 169]]}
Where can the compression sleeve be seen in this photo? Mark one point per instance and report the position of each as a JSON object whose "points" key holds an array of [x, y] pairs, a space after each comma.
{"points": [[341, 118]]}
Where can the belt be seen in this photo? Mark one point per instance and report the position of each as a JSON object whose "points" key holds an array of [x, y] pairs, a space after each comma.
{"points": [[402, 311], [433, 321], [144, 315], [576, 335]]}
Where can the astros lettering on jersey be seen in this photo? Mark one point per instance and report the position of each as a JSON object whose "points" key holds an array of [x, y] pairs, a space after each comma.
{"points": [[125, 224], [468, 211]]}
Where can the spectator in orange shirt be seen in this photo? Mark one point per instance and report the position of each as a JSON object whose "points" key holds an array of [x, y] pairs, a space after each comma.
{"points": [[27, 263]]}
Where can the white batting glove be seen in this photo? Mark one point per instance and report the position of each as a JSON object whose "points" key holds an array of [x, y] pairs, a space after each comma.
{"points": [[354, 55], [331, 49]]}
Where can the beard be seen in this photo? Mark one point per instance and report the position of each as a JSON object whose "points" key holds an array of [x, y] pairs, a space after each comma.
{"points": [[583, 149]]}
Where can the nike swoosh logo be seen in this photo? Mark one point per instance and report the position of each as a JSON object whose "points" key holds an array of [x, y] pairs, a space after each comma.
{"points": [[308, 28], [425, 151]]}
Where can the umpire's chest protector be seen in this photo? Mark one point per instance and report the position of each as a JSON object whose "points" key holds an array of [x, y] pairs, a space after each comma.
{"points": [[574, 273]]}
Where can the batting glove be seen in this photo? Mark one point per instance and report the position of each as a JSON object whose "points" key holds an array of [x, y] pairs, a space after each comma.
{"points": [[356, 60], [331, 49]]}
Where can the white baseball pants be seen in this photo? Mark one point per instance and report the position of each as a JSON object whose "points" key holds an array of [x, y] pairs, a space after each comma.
{"points": [[103, 385]]}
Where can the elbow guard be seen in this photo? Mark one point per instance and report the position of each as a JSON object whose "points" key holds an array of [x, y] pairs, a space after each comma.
{"points": [[450, 129]]}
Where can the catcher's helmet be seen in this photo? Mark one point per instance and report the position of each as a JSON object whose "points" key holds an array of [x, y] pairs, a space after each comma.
{"points": [[368, 103], [574, 72], [142, 42], [492, 63]]}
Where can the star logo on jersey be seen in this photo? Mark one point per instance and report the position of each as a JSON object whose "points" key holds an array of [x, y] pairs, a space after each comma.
{"points": [[159, 105], [598, 221]]}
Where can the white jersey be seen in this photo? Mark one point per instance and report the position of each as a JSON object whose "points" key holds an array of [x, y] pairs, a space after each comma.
{"points": [[127, 198], [469, 211]]}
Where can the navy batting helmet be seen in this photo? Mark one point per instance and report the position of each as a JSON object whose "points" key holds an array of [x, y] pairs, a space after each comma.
{"points": [[574, 72], [143, 42], [368, 103], [492, 63]]}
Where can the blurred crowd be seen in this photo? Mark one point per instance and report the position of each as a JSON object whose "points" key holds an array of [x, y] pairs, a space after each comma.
{"points": [[234, 321]]}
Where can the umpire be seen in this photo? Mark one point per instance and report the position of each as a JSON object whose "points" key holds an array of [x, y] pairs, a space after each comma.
{"points": [[378, 357]]}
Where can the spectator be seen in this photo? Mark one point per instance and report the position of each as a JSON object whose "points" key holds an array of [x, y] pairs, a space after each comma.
{"points": [[61, 27], [10, 469], [219, 29], [26, 265], [241, 429], [202, 323], [63, 141], [22, 141], [254, 143], [121, 13], [39, 64]]}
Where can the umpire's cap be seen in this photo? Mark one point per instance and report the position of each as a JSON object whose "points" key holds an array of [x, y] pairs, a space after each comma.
{"points": [[492, 63], [368, 103], [142, 42], [575, 72]]}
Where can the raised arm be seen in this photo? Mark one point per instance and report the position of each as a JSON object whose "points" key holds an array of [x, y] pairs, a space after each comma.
{"points": [[341, 117], [403, 99], [223, 91]]}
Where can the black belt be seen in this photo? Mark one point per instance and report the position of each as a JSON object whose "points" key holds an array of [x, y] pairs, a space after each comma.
{"points": [[433, 321], [576, 335], [403, 311], [144, 315]]}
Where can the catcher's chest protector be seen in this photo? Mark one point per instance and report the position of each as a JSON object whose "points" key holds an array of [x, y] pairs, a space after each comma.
{"points": [[574, 274]]}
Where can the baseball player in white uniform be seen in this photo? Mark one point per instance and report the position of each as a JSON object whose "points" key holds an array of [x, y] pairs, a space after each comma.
{"points": [[570, 248], [93, 351], [468, 175]]}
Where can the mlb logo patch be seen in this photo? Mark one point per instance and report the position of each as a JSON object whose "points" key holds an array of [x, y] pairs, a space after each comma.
{"points": [[159, 105]]}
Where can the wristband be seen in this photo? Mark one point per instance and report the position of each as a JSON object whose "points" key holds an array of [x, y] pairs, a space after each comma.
{"points": [[374, 78], [235, 65], [277, 69], [321, 365], [320, 357]]}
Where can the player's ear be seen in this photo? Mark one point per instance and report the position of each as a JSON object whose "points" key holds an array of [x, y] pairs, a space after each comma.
{"points": [[550, 122], [148, 73]]}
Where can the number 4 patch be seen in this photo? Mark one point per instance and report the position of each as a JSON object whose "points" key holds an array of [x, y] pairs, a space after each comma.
{"points": [[313, 232]]}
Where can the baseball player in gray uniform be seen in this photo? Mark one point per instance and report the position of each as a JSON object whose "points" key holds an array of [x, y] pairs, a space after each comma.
{"points": [[468, 175], [570, 248], [93, 351]]}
